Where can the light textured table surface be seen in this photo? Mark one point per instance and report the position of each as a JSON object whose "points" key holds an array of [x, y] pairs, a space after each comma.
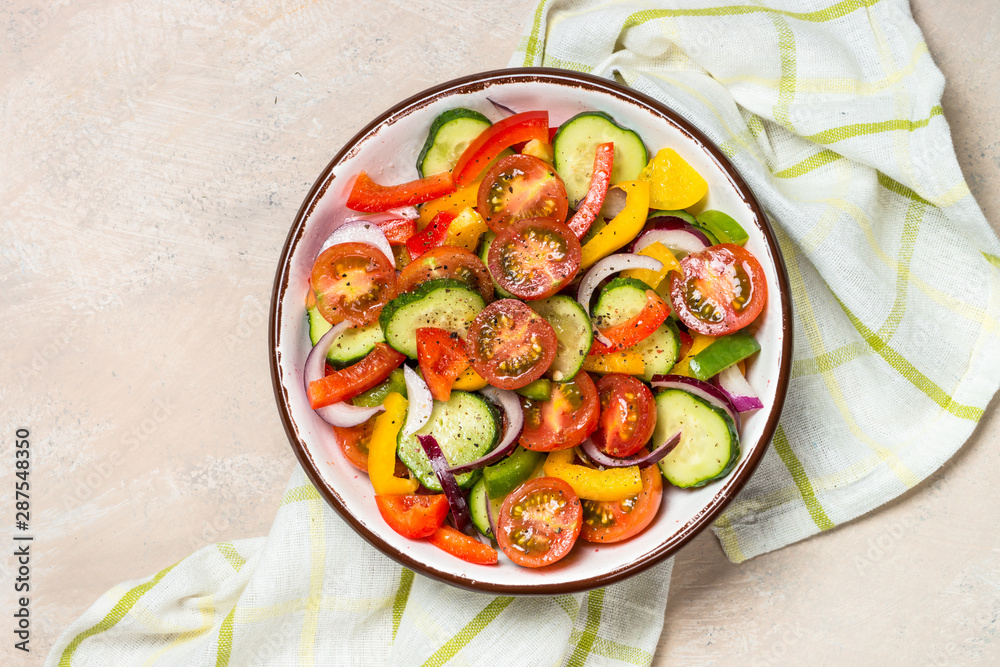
{"points": [[153, 157]]}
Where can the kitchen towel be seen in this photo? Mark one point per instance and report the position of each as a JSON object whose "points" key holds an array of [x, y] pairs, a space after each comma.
{"points": [[832, 114]]}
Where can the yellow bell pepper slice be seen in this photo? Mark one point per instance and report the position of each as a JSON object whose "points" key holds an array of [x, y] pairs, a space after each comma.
{"points": [[539, 149], [674, 184], [654, 278], [592, 484], [382, 450], [623, 361], [456, 202], [465, 230], [469, 380], [698, 343], [622, 228]]}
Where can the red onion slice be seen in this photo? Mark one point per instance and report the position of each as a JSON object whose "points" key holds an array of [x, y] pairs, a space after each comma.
{"points": [[408, 212], [502, 108], [701, 389], [678, 241], [594, 453], [358, 231], [459, 508], [607, 266], [339, 414], [513, 418], [421, 403], [732, 383]]}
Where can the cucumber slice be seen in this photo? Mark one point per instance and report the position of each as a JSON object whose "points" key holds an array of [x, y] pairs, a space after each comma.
{"points": [[624, 298], [709, 446], [466, 427], [575, 145], [446, 304], [449, 136], [574, 334], [484, 252], [351, 346], [477, 508]]}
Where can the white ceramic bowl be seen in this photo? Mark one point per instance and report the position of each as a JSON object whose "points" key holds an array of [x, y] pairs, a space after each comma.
{"points": [[387, 150]]}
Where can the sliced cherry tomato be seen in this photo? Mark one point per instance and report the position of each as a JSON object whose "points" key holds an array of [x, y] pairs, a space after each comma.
{"points": [[565, 420], [494, 139], [353, 442], [351, 381], [628, 415], [539, 522], [397, 230], [447, 262], [461, 545], [723, 289], [518, 187], [534, 258], [591, 205], [413, 516], [430, 236], [352, 281], [370, 197], [510, 344], [628, 333], [617, 520], [442, 357]]}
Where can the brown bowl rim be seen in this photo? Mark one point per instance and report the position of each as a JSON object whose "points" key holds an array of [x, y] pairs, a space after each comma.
{"points": [[693, 527]]}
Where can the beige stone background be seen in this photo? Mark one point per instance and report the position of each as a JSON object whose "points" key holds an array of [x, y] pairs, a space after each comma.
{"points": [[152, 157]]}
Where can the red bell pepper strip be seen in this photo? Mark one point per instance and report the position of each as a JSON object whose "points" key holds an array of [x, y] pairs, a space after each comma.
{"points": [[686, 342], [461, 545], [591, 205], [413, 516], [494, 139], [430, 236], [370, 197], [442, 357], [353, 380], [398, 230], [632, 331]]}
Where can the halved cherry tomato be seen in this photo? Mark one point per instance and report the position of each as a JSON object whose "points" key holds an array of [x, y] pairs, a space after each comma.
{"points": [[494, 139], [539, 522], [447, 262], [534, 258], [430, 236], [370, 197], [723, 289], [413, 516], [353, 442], [352, 281], [565, 420], [518, 187], [628, 333], [591, 205], [617, 520], [461, 545], [442, 357], [628, 415], [398, 230], [510, 344], [351, 381]]}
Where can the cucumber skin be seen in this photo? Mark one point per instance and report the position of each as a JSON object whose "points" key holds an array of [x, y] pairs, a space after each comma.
{"points": [[439, 122], [734, 438]]}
